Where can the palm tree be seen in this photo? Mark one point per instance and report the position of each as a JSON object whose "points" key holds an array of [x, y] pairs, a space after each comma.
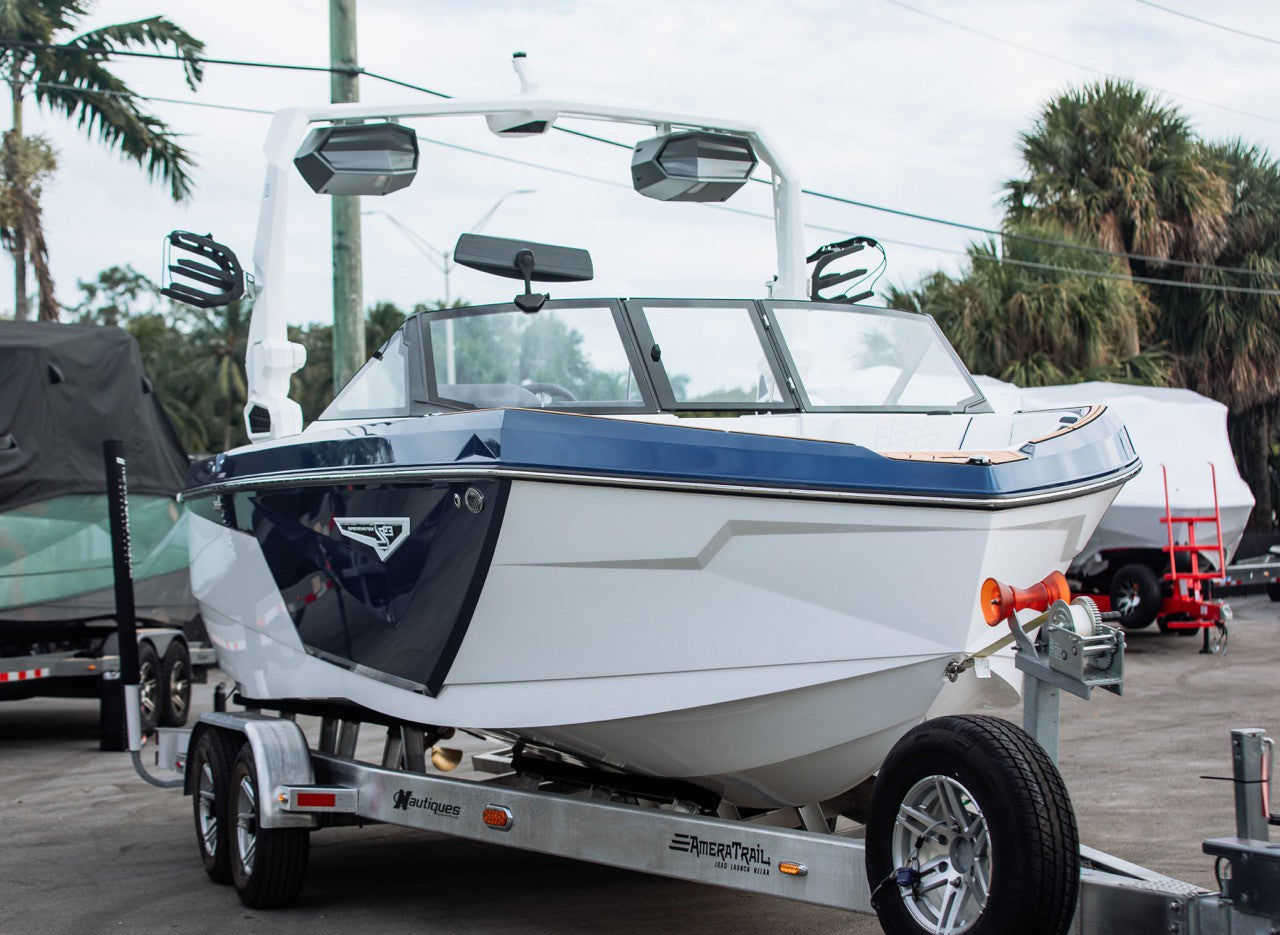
{"points": [[1017, 315], [1227, 344], [1111, 161], [69, 74]]}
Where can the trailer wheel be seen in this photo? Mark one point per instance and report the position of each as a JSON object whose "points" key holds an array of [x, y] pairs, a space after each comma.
{"points": [[1135, 593], [175, 685], [211, 762], [971, 830], [149, 686], [268, 865]]}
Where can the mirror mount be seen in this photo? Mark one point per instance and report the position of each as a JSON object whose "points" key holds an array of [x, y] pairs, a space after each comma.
{"points": [[531, 301], [220, 278]]}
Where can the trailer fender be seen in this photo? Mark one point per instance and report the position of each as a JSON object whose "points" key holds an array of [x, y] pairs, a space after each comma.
{"points": [[282, 756], [158, 637]]}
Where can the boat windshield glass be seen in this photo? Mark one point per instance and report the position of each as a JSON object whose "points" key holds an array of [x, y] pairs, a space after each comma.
{"points": [[562, 357], [847, 357], [712, 355], [378, 389]]}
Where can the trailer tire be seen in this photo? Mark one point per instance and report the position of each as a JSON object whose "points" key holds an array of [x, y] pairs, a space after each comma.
{"points": [[268, 865], [149, 687], [1135, 593], [1009, 846], [175, 685], [211, 761]]}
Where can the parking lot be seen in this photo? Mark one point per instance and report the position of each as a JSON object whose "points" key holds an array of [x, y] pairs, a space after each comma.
{"points": [[88, 847]]}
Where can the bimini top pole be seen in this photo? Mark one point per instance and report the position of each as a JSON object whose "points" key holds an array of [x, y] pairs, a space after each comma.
{"points": [[271, 358]]}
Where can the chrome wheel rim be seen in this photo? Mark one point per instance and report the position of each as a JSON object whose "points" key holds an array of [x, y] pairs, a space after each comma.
{"points": [[246, 824], [147, 680], [179, 686], [207, 817], [1127, 598], [941, 834]]}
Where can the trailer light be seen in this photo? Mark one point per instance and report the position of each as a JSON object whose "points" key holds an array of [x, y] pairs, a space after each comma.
{"points": [[1000, 601], [316, 800], [693, 165], [497, 817], [793, 870], [358, 159], [283, 798]]}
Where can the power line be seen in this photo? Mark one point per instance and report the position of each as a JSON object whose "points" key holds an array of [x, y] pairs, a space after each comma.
{"points": [[1186, 264], [1096, 274], [150, 97], [1066, 61], [1205, 22], [202, 60], [556, 170], [1044, 241]]}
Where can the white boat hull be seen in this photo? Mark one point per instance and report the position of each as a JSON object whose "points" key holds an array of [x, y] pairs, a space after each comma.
{"points": [[771, 648]]}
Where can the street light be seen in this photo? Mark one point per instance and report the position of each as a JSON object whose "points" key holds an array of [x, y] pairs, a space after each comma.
{"points": [[443, 261]]}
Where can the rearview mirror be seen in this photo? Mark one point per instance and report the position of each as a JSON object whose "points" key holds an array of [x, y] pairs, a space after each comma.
{"points": [[498, 256], [523, 259]]}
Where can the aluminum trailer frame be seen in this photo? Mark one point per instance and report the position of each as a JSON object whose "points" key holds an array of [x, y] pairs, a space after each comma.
{"points": [[312, 788], [790, 852]]}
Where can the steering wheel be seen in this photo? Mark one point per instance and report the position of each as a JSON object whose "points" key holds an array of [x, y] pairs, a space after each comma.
{"points": [[549, 389]]}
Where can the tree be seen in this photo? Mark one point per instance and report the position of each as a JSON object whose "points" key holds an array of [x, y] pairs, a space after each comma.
{"points": [[118, 295], [70, 75], [1019, 316], [1110, 161], [26, 163], [1227, 344]]}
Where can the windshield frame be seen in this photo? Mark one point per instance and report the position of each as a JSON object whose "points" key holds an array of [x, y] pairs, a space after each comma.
{"points": [[635, 308], [975, 402], [424, 383]]}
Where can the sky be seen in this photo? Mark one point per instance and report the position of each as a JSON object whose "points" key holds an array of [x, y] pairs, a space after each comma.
{"points": [[876, 100]]}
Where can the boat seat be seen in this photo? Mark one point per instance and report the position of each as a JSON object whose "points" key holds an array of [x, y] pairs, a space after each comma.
{"points": [[491, 395]]}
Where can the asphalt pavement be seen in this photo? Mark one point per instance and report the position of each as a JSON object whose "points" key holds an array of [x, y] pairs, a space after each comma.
{"points": [[87, 847]]}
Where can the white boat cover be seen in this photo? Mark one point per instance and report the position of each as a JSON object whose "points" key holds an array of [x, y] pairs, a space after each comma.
{"points": [[1175, 428]]}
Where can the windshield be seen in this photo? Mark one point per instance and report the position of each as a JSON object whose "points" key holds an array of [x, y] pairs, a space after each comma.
{"points": [[847, 357], [378, 390], [562, 357]]}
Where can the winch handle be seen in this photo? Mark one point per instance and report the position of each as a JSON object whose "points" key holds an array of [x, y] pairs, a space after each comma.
{"points": [[1001, 601]]}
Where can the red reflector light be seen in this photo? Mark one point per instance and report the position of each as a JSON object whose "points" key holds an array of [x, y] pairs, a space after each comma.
{"points": [[316, 800], [497, 817]]}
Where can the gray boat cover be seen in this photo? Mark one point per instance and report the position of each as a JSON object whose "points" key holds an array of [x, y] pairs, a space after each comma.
{"points": [[64, 389]]}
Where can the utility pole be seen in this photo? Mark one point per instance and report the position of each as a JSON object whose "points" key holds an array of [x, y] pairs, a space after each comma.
{"points": [[348, 289]]}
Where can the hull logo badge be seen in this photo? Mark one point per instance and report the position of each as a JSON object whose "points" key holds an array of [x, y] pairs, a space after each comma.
{"points": [[383, 534]]}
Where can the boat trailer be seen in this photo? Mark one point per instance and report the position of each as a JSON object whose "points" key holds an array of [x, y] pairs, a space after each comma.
{"points": [[279, 789]]}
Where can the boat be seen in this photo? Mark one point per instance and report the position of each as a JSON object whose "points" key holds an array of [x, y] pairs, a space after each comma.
{"points": [[1188, 469], [64, 389], [734, 543]]}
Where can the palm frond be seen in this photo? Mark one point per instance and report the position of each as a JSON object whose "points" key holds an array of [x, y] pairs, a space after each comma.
{"points": [[103, 105], [157, 32]]}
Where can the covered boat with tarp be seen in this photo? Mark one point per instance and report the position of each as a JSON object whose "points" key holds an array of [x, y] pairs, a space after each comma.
{"points": [[64, 389]]}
